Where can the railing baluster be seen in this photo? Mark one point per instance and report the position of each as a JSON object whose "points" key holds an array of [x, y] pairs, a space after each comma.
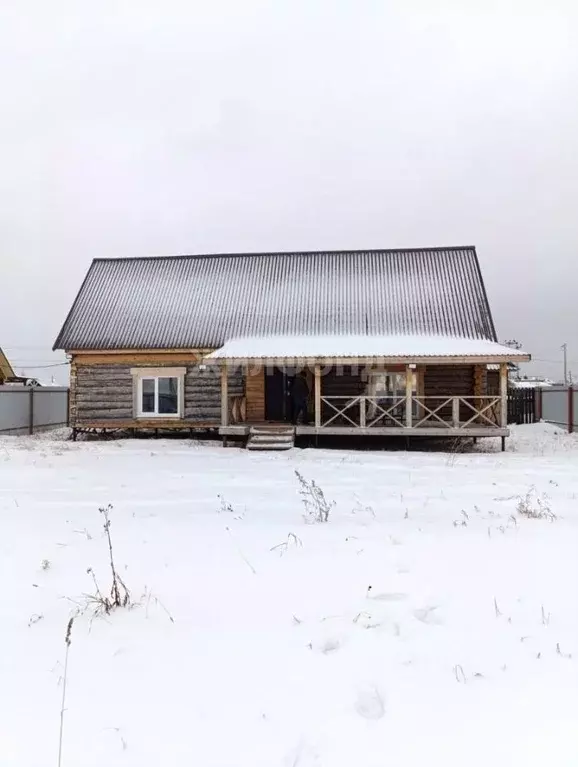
{"points": [[456, 412]]}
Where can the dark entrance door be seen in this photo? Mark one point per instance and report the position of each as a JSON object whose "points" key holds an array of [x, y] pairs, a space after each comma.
{"points": [[277, 395]]}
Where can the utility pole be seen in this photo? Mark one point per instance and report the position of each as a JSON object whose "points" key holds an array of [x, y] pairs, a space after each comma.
{"points": [[564, 348]]}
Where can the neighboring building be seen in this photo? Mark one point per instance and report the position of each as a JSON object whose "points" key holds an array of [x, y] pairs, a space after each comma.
{"points": [[5, 368], [530, 382], [393, 342]]}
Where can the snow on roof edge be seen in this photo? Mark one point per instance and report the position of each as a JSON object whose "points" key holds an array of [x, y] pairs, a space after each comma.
{"points": [[351, 347]]}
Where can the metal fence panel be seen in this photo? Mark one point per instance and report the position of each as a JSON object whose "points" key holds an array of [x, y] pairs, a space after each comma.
{"points": [[555, 405], [14, 408], [50, 407], [25, 409]]}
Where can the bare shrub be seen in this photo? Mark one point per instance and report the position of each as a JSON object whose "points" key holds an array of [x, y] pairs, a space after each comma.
{"points": [[224, 506], [534, 506], [84, 532], [292, 541], [146, 598], [317, 507], [119, 595], [361, 509], [45, 564], [458, 445]]}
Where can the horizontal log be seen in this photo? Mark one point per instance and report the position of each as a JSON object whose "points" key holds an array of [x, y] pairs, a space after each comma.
{"points": [[203, 387], [201, 381], [102, 382], [103, 415], [153, 359], [202, 397], [196, 408], [203, 418], [211, 393], [115, 393], [190, 406], [105, 406], [96, 372]]}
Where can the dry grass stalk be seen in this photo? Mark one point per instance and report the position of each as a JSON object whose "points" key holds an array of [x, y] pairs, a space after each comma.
{"points": [[67, 642]]}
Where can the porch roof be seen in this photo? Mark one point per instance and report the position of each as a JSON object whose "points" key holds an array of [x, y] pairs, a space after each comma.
{"points": [[394, 347]]}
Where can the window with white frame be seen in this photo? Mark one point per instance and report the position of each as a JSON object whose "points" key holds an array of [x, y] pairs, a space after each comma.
{"points": [[158, 392]]}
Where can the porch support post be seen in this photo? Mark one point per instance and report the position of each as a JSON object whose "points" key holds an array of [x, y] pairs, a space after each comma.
{"points": [[224, 395], [504, 394], [408, 396], [456, 412], [317, 385]]}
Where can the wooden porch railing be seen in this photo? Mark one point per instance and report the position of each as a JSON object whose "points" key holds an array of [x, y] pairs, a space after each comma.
{"points": [[453, 412]]}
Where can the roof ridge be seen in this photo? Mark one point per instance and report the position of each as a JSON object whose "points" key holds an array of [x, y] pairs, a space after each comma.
{"points": [[266, 254]]}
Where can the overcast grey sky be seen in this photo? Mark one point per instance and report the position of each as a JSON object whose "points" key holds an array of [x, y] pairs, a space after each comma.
{"points": [[135, 127]]}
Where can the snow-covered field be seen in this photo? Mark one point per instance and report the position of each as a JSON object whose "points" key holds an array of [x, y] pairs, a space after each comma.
{"points": [[255, 639]]}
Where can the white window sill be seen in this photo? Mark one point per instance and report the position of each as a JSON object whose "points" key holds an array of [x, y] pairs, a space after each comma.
{"points": [[172, 416]]}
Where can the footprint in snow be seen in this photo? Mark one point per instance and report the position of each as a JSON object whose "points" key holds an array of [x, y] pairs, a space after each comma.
{"points": [[428, 615], [303, 755], [370, 703], [385, 596]]}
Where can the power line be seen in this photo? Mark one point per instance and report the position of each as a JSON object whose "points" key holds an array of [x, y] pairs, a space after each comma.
{"points": [[554, 362], [39, 367]]}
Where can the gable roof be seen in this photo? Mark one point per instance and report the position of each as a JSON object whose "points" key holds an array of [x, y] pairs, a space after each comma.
{"points": [[187, 302], [6, 370]]}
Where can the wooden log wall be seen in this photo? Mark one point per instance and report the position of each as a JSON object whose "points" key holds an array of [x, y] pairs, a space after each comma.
{"points": [[72, 395], [104, 394], [203, 392], [343, 381], [448, 381], [493, 382]]}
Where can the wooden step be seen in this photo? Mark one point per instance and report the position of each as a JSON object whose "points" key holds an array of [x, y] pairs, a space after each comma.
{"points": [[272, 429], [269, 445], [271, 437]]}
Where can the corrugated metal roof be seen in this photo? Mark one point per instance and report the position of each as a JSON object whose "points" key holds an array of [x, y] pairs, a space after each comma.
{"points": [[347, 346], [187, 302]]}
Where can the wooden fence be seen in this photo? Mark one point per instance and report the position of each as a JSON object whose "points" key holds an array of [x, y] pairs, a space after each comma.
{"points": [[521, 405]]}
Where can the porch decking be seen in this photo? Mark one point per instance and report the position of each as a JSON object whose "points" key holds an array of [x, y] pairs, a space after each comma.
{"points": [[242, 430]]}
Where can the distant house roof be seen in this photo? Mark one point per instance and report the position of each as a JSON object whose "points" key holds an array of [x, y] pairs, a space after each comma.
{"points": [[185, 302], [531, 384], [6, 370]]}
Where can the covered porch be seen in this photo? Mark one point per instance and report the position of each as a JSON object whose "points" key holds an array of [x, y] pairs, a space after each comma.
{"points": [[437, 395]]}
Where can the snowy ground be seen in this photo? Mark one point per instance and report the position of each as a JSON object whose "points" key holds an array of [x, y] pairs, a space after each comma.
{"points": [[463, 652]]}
